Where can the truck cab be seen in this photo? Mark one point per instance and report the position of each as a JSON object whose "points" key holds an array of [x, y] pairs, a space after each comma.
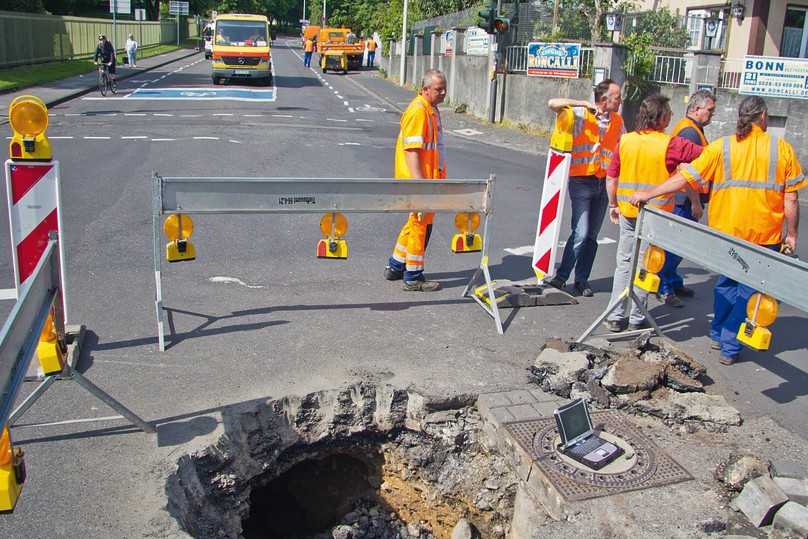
{"points": [[241, 48]]}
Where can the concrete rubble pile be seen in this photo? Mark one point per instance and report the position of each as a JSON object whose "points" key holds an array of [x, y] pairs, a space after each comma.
{"points": [[775, 504], [652, 378], [421, 457]]}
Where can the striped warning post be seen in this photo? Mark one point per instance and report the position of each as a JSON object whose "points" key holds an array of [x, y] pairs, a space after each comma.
{"points": [[33, 209], [550, 209]]}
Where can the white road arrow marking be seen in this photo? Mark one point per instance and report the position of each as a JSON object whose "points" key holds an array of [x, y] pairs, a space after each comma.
{"points": [[527, 250]]}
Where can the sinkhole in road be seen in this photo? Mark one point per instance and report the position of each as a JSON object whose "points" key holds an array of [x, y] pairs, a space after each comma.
{"points": [[366, 461]]}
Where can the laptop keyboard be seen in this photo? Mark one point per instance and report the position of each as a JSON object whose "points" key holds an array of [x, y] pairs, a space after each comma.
{"points": [[586, 447]]}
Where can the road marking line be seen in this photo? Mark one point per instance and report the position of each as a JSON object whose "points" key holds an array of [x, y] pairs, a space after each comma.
{"points": [[222, 114], [162, 114], [9, 293], [350, 109], [206, 138], [234, 141], [349, 144], [96, 138], [346, 103], [233, 280], [190, 115], [468, 132], [336, 92], [72, 114], [363, 120], [134, 114], [132, 137], [162, 139], [253, 115], [283, 116], [527, 250], [58, 138], [335, 120]]}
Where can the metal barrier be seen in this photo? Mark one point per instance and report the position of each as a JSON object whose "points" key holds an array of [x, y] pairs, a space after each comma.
{"points": [[319, 195], [779, 276], [20, 336]]}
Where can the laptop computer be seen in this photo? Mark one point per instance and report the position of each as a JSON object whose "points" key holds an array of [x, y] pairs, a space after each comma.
{"points": [[579, 441]]}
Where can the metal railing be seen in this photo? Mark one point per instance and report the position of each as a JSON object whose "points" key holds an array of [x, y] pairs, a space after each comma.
{"points": [[516, 59], [671, 70], [731, 72]]}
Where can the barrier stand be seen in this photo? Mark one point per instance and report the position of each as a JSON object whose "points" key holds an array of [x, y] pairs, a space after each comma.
{"points": [[774, 275], [329, 196]]}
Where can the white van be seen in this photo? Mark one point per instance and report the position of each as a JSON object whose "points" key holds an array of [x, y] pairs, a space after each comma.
{"points": [[207, 35]]}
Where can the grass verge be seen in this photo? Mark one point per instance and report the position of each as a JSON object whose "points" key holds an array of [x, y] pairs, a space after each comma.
{"points": [[20, 77]]}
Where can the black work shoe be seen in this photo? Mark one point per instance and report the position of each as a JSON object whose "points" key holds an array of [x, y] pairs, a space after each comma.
{"points": [[616, 326], [727, 360], [642, 325], [671, 300], [421, 286], [685, 292], [584, 289], [557, 282], [393, 275]]}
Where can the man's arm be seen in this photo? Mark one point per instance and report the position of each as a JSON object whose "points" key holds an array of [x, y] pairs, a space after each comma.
{"points": [[413, 160], [559, 103], [673, 184], [792, 214]]}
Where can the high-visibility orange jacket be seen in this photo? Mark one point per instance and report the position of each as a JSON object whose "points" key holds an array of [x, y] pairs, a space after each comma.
{"points": [[750, 178], [594, 142], [309, 46], [421, 131], [683, 124], [642, 166]]}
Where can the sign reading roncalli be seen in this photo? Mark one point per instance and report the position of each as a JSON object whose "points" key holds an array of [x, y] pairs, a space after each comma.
{"points": [[775, 77], [553, 59]]}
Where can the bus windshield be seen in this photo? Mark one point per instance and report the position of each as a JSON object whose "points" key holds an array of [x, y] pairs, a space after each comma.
{"points": [[241, 33]]}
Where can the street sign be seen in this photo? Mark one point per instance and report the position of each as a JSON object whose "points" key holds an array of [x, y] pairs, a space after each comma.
{"points": [[140, 14], [120, 6], [476, 42], [177, 7], [774, 77]]}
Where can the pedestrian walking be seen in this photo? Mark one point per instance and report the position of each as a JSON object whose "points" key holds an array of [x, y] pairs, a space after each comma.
{"points": [[370, 44], [597, 129], [308, 49], [645, 158], [131, 50], [755, 178], [689, 204], [419, 154]]}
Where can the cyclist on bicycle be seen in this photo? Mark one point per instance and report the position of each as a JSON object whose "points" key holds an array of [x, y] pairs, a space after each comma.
{"points": [[106, 52]]}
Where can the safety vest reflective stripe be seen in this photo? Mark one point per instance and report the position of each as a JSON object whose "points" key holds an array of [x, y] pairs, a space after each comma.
{"points": [[695, 173], [660, 202], [794, 181], [593, 144], [418, 139], [749, 184], [770, 183]]}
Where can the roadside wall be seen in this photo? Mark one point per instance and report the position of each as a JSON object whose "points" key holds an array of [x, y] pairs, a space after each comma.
{"points": [[27, 38]]}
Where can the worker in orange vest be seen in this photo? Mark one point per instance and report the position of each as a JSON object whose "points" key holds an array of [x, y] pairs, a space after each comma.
{"points": [[645, 158], [689, 204], [308, 49], [419, 154], [370, 44], [597, 128], [755, 179]]}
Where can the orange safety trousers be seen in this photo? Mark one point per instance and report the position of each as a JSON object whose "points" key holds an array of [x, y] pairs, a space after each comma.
{"points": [[410, 246]]}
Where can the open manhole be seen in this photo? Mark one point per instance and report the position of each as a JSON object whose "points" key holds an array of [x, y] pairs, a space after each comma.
{"points": [[368, 461]]}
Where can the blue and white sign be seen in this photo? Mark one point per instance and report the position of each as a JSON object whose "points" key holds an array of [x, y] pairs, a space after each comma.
{"points": [[774, 77], [476, 41], [553, 59], [203, 94], [447, 43]]}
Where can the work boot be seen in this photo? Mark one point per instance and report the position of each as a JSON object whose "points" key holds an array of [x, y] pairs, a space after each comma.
{"points": [[685, 292], [640, 325], [584, 289], [421, 286], [615, 326], [728, 360], [393, 275], [557, 282], [671, 300]]}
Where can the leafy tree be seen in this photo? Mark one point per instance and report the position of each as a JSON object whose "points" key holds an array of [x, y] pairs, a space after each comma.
{"points": [[27, 6], [665, 27]]}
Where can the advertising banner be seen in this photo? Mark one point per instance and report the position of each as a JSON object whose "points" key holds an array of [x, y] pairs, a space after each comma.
{"points": [[477, 42], [447, 43], [553, 59], [774, 77]]}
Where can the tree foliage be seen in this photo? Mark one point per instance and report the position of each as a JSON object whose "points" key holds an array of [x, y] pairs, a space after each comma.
{"points": [[665, 27], [28, 6]]}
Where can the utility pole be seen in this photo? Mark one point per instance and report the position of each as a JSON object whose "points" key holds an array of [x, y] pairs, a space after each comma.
{"points": [[323, 23], [402, 73], [555, 16]]}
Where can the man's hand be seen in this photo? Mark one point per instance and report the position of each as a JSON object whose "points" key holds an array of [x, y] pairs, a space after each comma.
{"points": [[790, 244], [697, 210], [614, 214], [639, 197]]}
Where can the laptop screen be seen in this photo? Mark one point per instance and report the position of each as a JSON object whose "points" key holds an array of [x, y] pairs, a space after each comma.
{"points": [[575, 420]]}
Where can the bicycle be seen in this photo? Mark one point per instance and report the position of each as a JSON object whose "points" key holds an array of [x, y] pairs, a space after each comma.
{"points": [[105, 82]]}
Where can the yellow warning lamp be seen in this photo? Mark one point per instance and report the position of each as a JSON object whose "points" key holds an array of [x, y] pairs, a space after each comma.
{"points": [[28, 118], [761, 311], [334, 226], [49, 349], [561, 138], [178, 228], [647, 277], [12, 472], [466, 241]]}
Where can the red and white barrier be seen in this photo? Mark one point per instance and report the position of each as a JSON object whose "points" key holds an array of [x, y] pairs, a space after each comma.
{"points": [[551, 207], [34, 203]]}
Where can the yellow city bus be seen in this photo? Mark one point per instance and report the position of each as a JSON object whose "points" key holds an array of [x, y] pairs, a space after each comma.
{"points": [[241, 48]]}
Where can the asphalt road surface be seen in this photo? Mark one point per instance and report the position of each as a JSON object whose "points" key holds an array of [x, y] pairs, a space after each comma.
{"points": [[257, 316]]}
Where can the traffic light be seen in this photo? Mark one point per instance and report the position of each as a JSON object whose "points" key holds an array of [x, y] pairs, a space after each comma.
{"points": [[28, 117], [487, 18], [501, 24]]}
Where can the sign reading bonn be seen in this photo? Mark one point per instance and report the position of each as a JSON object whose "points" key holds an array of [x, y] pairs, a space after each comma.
{"points": [[553, 59], [774, 77]]}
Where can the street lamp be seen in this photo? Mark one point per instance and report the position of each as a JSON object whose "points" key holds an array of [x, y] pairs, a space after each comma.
{"points": [[403, 69]]}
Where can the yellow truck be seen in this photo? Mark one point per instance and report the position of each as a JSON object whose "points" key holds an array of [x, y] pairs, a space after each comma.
{"points": [[241, 48], [340, 41]]}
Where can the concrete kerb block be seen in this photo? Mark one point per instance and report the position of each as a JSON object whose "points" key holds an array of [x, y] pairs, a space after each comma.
{"points": [[760, 499], [795, 489], [792, 519]]}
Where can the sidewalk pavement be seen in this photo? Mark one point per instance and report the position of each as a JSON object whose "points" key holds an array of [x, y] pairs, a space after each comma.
{"points": [[59, 91], [454, 123]]}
